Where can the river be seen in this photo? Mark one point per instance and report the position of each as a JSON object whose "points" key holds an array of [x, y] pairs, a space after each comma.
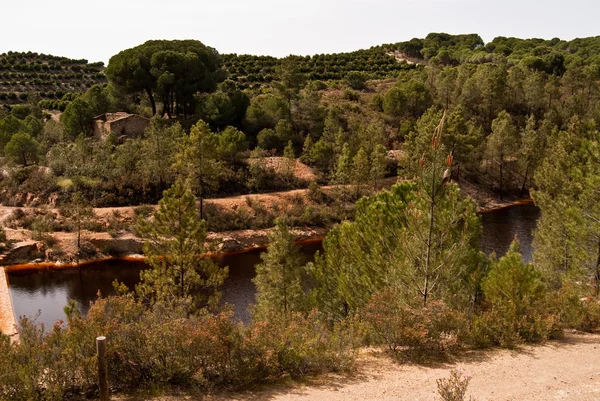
{"points": [[49, 290]]}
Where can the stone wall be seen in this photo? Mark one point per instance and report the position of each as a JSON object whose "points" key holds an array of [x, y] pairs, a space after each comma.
{"points": [[130, 126], [120, 124]]}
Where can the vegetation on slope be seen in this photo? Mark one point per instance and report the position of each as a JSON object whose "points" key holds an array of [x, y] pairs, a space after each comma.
{"points": [[53, 80]]}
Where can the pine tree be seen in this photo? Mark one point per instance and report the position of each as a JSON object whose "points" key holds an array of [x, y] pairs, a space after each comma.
{"points": [[307, 148], [418, 238], [159, 147], [343, 167], [279, 276], [501, 145], [174, 247], [567, 239], [78, 214], [197, 161], [378, 165], [360, 169], [531, 151], [289, 162]]}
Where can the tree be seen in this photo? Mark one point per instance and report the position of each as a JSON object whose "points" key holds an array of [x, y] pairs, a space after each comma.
{"points": [[78, 213], [77, 118], [9, 126], [232, 142], [289, 82], [174, 70], [159, 147], [360, 169], [516, 296], [418, 238], [226, 107], [278, 280], [310, 114], [501, 145], [197, 160], [268, 139], [22, 148], [289, 162], [378, 165], [567, 240], [343, 168], [531, 151], [175, 250], [265, 111], [355, 80]]}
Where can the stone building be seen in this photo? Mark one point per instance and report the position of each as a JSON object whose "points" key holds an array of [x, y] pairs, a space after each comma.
{"points": [[121, 124]]}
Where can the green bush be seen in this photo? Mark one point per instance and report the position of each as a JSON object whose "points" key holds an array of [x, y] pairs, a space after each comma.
{"points": [[518, 306]]}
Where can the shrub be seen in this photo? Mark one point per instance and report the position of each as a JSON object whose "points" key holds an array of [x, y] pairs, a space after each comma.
{"points": [[576, 312], [143, 211], [518, 308], [414, 330], [355, 80], [453, 388], [315, 192], [351, 95], [161, 345]]}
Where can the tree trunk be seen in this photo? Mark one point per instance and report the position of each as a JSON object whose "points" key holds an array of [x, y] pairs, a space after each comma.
{"points": [[201, 206], [152, 101], [429, 238], [597, 278], [524, 182], [501, 178]]}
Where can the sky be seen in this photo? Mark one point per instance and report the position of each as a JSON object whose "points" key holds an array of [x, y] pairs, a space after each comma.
{"points": [[97, 30]]}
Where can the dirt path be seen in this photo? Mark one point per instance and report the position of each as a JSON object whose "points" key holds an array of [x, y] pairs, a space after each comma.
{"points": [[559, 370], [568, 369]]}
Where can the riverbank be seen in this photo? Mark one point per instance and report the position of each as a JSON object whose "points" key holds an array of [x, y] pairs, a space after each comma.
{"points": [[8, 323], [59, 250], [32, 255]]}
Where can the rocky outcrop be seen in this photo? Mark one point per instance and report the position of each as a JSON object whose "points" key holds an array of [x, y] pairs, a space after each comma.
{"points": [[24, 252]]}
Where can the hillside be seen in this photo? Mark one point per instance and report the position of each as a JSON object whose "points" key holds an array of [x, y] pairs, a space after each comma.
{"points": [[53, 78]]}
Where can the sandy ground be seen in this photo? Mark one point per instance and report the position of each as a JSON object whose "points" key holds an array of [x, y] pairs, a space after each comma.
{"points": [[7, 319], [568, 369]]}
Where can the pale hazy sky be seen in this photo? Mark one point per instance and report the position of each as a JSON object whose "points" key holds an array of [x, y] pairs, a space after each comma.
{"points": [[97, 30]]}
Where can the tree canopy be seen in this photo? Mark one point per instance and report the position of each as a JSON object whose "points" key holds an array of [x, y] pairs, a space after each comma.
{"points": [[170, 71]]}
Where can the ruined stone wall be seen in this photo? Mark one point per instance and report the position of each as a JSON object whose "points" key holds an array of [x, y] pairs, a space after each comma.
{"points": [[131, 126]]}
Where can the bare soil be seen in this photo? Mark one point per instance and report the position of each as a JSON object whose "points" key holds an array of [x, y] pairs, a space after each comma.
{"points": [[558, 370]]}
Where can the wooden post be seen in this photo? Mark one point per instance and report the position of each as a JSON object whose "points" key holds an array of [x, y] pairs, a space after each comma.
{"points": [[102, 368]]}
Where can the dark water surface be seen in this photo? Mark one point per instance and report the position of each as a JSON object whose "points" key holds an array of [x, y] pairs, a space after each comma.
{"points": [[501, 226], [49, 290]]}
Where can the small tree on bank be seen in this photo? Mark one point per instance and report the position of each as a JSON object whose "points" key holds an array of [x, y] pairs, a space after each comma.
{"points": [[279, 277], [174, 247], [78, 214]]}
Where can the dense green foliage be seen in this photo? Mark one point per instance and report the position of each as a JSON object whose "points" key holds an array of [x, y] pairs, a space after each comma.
{"points": [[172, 71]]}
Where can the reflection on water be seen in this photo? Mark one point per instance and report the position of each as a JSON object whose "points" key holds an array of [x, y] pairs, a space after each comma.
{"points": [[501, 226], [50, 290]]}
